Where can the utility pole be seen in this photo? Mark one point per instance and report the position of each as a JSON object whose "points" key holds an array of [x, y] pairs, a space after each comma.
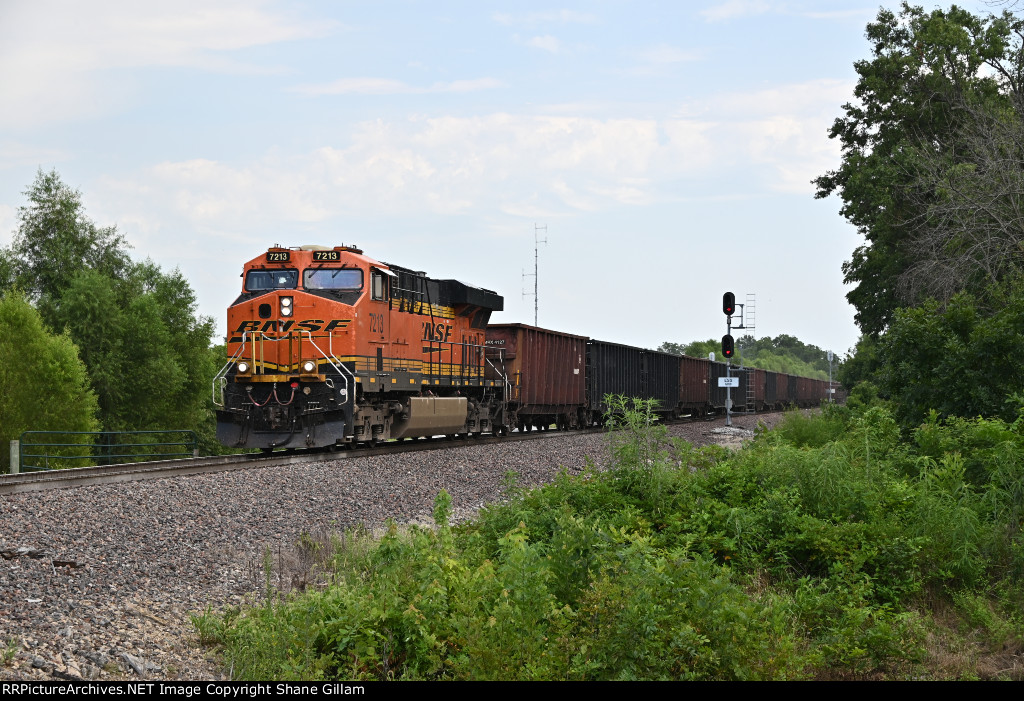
{"points": [[536, 257]]}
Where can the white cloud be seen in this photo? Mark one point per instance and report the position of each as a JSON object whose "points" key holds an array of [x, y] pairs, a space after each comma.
{"points": [[521, 165], [532, 19], [815, 97], [387, 86], [546, 42], [52, 54], [445, 165], [784, 129]]}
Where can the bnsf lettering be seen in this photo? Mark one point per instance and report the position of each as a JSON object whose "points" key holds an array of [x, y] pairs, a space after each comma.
{"points": [[436, 332], [247, 326], [310, 325]]}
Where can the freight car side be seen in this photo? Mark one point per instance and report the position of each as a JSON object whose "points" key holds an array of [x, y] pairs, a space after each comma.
{"points": [[613, 368], [694, 386], [545, 371]]}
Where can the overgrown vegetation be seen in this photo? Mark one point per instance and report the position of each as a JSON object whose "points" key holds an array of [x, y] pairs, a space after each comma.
{"points": [[829, 548]]}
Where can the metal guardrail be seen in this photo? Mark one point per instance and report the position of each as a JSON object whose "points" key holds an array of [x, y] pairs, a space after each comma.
{"points": [[106, 448]]}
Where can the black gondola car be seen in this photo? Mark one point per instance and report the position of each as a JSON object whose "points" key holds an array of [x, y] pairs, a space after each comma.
{"points": [[613, 368]]}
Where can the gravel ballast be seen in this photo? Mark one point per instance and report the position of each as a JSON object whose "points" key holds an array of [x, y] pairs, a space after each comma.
{"points": [[101, 582]]}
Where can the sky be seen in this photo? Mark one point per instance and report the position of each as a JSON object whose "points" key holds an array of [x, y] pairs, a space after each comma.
{"points": [[662, 152]]}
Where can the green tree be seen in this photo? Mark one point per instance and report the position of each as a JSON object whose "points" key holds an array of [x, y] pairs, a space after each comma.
{"points": [[862, 365], [958, 360], [55, 240], [46, 387], [148, 353], [912, 98], [971, 232], [673, 348], [146, 350]]}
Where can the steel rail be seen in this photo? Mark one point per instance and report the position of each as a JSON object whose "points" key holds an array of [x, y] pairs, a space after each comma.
{"points": [[129, 472]]}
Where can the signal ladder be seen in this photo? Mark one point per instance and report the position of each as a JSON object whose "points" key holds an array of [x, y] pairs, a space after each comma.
{"points": [[749, 321]]}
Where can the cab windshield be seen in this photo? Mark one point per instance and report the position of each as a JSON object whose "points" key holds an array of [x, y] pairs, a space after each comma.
{"points": [[259, 280], [333, 279]]}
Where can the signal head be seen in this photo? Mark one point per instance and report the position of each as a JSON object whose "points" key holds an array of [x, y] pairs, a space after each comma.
{"points": [[729, 303], [727, 346]]}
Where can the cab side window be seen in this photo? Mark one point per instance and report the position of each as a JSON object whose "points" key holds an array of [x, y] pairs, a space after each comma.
{"points": [[378, 285]]}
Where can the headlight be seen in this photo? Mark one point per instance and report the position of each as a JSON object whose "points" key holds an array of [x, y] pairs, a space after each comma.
{"points": [[309, 366], [286, 306], [243, 367]]}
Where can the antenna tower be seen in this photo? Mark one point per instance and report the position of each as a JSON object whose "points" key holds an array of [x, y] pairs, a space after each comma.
{"points": [[536, 245]]}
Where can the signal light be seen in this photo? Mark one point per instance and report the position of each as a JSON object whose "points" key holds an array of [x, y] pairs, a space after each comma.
{"points": [[729, 303], [727, 346]]}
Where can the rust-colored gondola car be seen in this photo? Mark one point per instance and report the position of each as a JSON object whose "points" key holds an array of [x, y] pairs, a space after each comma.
{"points": [[546, 373], [694, 386]]}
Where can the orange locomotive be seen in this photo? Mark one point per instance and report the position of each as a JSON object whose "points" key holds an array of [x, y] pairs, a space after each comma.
{"points": [[327, 346]]}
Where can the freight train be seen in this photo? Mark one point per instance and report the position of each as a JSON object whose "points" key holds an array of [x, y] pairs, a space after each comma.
{"points": [[328, 347]]}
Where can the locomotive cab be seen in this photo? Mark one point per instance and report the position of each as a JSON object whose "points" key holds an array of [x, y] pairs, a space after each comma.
{"points": [[328, 346]]}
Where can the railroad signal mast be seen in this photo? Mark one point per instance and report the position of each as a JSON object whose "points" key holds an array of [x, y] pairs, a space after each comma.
{"points": [[729, 308], [728, 348]]}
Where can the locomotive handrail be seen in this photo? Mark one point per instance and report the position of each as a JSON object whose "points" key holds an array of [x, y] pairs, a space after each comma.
{"points": [[330, 359], [506, 385], [463, 364], [222, 375]]}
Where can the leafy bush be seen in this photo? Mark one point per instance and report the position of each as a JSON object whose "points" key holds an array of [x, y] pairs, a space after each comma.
{"points": [[809, 553]]}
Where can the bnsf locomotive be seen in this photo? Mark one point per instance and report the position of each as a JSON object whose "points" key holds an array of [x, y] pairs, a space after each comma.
{"points": [[327, 347]]}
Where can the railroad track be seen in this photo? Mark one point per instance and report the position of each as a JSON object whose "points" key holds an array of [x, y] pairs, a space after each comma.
{"points": [[128, 472]]}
